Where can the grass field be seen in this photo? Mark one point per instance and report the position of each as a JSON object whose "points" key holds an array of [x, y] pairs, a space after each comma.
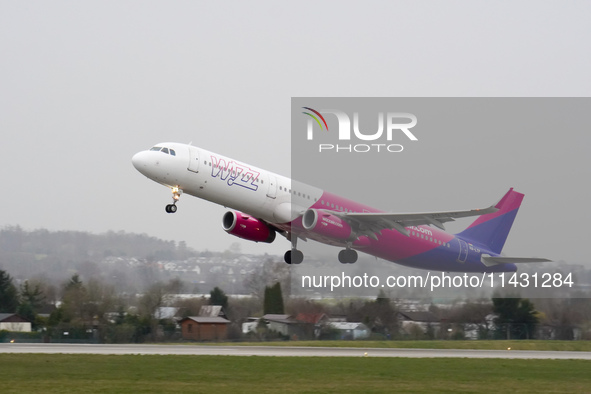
{"points": [[478, 345], [35, 373]]}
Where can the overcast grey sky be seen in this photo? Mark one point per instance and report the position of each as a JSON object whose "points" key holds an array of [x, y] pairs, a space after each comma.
{"points": [[85, 85]]}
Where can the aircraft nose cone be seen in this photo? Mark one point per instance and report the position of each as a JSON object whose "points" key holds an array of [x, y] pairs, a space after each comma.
{"points": [[139, 161]]}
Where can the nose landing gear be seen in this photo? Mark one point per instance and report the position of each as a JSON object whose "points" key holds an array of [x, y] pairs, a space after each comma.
{"points": [[176, 195]]}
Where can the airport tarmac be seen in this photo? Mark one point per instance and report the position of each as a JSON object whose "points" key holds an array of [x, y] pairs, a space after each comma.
{"points": [[283, 351]]}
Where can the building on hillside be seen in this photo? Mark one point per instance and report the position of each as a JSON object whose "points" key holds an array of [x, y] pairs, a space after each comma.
{"points": [[250, 325], [14, 322], [349, 330], [312, 318], [212, 311], [414, 323], [210, 325], [283, 324], [204, 328], [313, 325], [165, 313]]}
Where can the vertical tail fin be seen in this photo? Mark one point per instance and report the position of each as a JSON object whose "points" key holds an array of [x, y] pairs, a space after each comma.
{"points": [[491, 230]]}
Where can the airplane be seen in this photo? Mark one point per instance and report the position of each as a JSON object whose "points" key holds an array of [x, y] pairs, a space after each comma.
{"points": [[264, 204]]}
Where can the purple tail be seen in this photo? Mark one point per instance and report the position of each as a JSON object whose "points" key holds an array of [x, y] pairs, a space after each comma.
{"points": [[491, 230]]}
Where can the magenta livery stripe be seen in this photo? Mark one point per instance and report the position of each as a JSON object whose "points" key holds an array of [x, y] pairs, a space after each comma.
{"points": [[317, 113]]}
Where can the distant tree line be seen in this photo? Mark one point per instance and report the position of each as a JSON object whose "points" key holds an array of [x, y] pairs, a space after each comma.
{"points": [[78, 245], [89, 309]]}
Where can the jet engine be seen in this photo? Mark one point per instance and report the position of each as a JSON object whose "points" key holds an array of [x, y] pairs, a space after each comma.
{"points": [[244, 226], [327, 225]]}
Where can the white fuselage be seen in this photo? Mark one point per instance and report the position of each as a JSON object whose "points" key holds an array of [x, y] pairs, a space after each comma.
{"points": [[225, 181]]}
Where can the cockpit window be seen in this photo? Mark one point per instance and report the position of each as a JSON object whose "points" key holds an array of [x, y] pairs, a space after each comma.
{"points": [[164, 150]]}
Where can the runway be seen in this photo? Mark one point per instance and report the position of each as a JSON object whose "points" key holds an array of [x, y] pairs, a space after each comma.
{"points": [[283, 351]]}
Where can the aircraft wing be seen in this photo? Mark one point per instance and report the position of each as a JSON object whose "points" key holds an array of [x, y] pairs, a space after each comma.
{"points": [[369, 223]]}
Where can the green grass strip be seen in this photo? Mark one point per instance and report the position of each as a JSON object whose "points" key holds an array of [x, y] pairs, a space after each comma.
{"points": [[60, 373]]}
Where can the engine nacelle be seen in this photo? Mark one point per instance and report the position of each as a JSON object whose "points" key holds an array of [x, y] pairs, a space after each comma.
{"points": [[247, 227], [327, 225]]}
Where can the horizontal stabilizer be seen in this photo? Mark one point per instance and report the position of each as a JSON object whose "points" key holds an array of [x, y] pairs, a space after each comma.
{"points": [[489, 261]]}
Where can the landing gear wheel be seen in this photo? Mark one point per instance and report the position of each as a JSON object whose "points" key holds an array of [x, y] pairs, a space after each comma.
{"points": [[293, 256], [297, 257], [176, 194], [348, 256]]}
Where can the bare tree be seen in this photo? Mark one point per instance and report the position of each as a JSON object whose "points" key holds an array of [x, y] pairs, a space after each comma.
{"points": [[266, 275]]}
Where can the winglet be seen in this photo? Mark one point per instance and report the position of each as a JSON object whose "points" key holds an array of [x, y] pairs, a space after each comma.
{"points": [[503, 200]]}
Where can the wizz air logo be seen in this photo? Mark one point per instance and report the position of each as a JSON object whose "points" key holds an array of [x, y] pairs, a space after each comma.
{"points": [[234, 173], [390, 125]]}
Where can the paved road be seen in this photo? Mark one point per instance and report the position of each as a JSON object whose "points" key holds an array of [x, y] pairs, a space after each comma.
{"points": [[54, 348]]}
